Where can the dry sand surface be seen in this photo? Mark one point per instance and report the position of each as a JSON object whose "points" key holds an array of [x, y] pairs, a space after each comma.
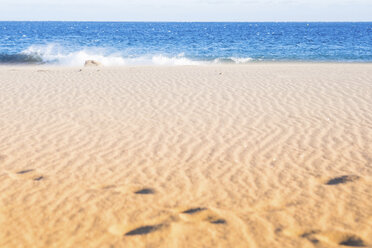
{"points": [[260, 155]]}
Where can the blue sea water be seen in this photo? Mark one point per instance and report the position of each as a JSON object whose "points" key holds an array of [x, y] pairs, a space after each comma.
{"points": [[126, 43]]}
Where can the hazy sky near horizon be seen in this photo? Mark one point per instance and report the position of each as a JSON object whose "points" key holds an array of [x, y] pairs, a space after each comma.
{"points": [[186, 10]]}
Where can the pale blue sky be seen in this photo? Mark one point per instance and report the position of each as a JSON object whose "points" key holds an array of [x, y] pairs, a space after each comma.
{"points": [[187, 10]]}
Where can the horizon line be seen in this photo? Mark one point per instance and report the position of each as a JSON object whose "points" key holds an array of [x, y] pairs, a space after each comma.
{"points": [[304, 21]]}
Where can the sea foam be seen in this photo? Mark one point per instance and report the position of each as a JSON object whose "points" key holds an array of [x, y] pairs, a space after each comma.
{"points": [[56, 54]]}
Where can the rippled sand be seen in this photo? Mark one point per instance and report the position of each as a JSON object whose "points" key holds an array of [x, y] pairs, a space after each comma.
{"points": [[261, 155]]}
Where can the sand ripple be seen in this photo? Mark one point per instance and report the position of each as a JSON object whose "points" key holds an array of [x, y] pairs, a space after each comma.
{"points": [[262, 155]]}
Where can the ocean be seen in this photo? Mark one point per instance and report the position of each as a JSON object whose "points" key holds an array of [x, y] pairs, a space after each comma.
{"points": [[145, 43]]}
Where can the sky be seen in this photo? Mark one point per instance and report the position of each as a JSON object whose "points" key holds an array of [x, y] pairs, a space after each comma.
{"points": [[186, 10]]}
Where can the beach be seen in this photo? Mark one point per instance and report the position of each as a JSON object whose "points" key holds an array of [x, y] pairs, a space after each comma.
{"points": [[255, 155]]}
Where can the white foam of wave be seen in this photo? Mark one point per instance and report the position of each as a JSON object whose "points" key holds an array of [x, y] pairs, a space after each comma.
{"points": [[178, 60], [232, 60], [241, 60], [56, 54]]}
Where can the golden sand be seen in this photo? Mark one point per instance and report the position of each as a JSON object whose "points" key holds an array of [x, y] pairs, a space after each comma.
{"points": [[261, 155]]}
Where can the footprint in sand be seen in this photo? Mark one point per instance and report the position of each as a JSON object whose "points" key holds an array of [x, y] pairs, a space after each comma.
{"points": [[339, 238], [143, 230], [310, 236], [145, 191], [38, 178], [125, 189], [30, 174], [196, 216], [352, 241], [217, 221], [24, 171], [204, 214], [124, 230], [193, 210], [342, 180]]}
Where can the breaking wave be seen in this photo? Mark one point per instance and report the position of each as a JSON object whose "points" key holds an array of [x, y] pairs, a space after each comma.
{"points": [[57, 55]]}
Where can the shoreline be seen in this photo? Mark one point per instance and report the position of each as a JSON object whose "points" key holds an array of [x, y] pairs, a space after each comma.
{"points": [[200, 65]]}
